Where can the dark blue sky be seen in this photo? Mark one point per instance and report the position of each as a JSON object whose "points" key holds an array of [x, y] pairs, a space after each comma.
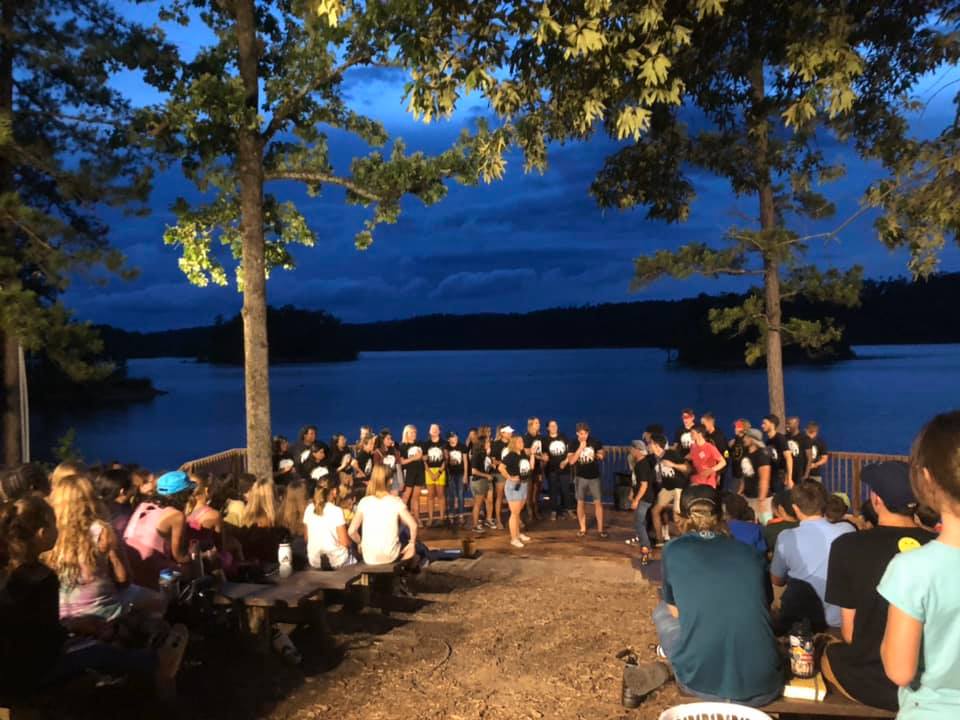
{"points": [[527, 242]]}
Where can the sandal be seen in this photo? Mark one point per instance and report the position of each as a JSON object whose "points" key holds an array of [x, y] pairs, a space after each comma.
{"points": [[603, 534], [581, 533]]}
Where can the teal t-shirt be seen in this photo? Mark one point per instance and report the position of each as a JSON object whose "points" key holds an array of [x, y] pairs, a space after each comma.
{"points": [[727, 648], [925, 584]]}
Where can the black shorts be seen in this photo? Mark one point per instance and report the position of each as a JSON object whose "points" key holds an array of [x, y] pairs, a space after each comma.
{"points": [[418, 481]]}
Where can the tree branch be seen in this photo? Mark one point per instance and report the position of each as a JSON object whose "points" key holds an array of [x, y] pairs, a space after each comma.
{"points": [[289, 106], [319, 178]]}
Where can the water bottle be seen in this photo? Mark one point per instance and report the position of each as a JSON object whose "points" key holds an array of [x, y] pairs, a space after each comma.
{"points": [[285, 558], [801, 650]]}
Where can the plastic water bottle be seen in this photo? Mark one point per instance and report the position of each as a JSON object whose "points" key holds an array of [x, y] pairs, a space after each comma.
{"points": [[285, 558]]}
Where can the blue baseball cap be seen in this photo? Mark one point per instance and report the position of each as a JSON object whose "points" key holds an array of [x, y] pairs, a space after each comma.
{"points": [[891, 481], [173, 482]]}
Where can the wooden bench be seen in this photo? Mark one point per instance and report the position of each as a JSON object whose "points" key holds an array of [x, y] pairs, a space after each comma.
{"points": [[298, 598], [376, 582], [834, 705]]}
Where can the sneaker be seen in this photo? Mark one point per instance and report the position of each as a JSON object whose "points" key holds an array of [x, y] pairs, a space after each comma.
{"points": [[641, 680], [660, 652], [525, 538], [553, 516], [478, 529], [632, 541], [516, 543], [492, 524]]}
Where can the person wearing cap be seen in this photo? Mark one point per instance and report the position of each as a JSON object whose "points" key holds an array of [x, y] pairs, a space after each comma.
{"points": [[801, 561], [857, 563], [155, 535], [755, 474], [585, 458], [644, 481], [718, 651]]}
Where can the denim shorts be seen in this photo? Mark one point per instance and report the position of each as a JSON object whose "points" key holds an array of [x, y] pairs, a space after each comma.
{"points": [[514, 495], [587, 486]]}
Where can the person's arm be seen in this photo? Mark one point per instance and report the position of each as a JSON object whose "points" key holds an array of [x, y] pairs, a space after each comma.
{"points": [[107, 544], [175, 522], [900, 649], [674, 610], [406, 460], [407, 519], [778, 566], [847, 616], [788, 480], [763, 473], [355, 524], [719, 466], [466, 468], [641, 491], [502, 469]]}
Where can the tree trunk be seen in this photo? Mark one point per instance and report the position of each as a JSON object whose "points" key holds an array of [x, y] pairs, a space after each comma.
{"points": [[759, 130], [11, 365], [256, 361]]}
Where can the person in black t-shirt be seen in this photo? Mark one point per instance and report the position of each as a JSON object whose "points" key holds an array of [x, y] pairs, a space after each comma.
{"points": [[819, 455], [780, 457], [414, 471], [365, 458], [435, 474], [799, 446], [669, 465], [737, 451], [755, 482], [585, 457], [515, 470], [554, 458], [857, 562], [533, 446], [498, 451], [683, 437], [458, 475], [301, 449], [481, 481], [643, 488]]}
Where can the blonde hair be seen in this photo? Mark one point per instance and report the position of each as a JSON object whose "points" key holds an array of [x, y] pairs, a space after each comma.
{"points": [[261, 504], [516, 440], [377, 484], [294, 506], [64, 470], [321, 495], [701, 519], [76, 509], [406, 431]]}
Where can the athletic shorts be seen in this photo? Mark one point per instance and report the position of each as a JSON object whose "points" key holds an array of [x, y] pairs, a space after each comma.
{"points": [[479, 486], [514, 494], [665, 498], [587, 486], [442, 480]]}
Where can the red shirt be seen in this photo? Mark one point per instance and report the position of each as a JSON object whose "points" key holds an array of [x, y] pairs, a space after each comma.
{"points": [[703, 458]]}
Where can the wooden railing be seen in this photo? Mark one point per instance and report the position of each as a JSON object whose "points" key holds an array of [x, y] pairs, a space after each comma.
{"points": [[840, 474]]}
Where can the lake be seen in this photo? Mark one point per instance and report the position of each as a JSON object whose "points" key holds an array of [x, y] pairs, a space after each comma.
{"points": [[874, 403]]}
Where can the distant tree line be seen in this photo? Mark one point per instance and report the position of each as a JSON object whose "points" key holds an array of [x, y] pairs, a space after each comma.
{"points": [[895, 311]]}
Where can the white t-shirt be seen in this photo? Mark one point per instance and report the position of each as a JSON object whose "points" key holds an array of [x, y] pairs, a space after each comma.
{"points": [[380, 530], [322, 537]]}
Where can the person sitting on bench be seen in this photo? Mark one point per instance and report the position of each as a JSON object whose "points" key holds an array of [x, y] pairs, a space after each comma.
{"points": [[857, 563], [801, 560], [718, 651], [378, 516]]}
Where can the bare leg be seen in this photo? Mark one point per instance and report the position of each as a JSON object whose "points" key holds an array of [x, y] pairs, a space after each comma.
{"points": [[582, 515], [498, 503], [415, 503], [515, 509], [441, 499], [477, 502], [488, 499], [598, 511]]}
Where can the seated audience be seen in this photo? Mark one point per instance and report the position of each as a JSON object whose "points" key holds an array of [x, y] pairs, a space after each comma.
{"points": [[857, 563], [261, 533], [801, 560], [326, 529], [204, 521], [156, 535], [736, 512], [378, 516], [718, 651], [293, 507], [65, 469], [89, 560], [36, 651], [783, 519], [838, 510]]}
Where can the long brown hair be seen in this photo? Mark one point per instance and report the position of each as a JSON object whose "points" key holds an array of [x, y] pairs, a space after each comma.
{"points": [[935, 462], [261, 504], [377, 485], [20, 523], [76, 509], [294, 505]]}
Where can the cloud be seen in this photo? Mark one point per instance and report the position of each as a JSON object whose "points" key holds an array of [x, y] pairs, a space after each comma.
{"points": [[476, 284]]}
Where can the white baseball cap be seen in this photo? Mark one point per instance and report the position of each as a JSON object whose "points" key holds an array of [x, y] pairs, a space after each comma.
{"points": [[507, 429]]}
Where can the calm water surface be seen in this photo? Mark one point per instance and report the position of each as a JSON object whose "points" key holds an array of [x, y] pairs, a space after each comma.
{"points": [[874, 403]]}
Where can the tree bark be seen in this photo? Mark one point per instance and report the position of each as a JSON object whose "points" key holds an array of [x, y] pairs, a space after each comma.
{"points": [[11, 366], [250, 171], [759, 130]]}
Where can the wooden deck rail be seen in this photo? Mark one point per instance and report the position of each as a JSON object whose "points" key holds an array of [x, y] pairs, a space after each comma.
{"points": [[841, 473]]}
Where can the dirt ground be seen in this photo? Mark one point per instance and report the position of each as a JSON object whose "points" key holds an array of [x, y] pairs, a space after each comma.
{"points": [[512, 634]]}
